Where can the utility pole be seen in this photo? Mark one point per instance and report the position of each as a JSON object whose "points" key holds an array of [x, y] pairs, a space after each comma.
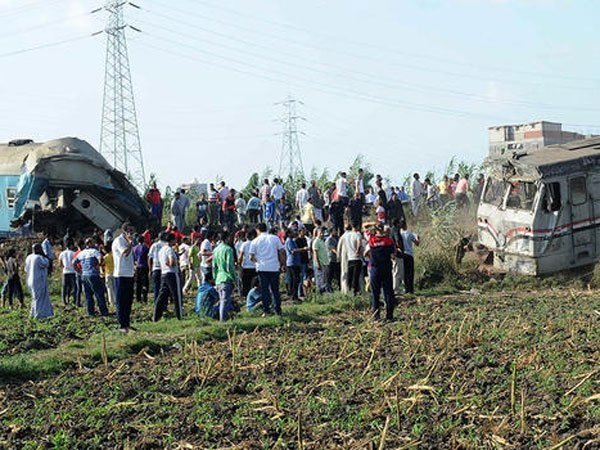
{"points": [[290, 159], [119, 137]]}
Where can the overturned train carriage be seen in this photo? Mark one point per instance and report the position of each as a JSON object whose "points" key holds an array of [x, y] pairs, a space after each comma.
{"points": [[540, 210], [63, 184]]}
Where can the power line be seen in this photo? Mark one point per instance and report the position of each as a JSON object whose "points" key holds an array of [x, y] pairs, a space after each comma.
{"points": [[364, 56], [28, 7], [319, 86], [286, 26], [366, 78], [46, 45], [44, 25]]}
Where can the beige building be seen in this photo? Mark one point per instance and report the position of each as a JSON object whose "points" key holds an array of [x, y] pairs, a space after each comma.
{"points": [[505, 139]]}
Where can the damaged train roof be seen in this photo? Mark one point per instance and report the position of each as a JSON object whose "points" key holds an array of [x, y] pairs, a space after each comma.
{"points": [[67, 183], [546, 162]]}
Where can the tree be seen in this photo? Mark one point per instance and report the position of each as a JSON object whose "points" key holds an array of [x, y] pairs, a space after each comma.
{"points": [[360, 162], [253, 184]]}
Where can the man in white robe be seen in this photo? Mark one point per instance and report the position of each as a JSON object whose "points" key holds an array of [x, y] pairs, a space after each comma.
{"points": [[36, 267]]}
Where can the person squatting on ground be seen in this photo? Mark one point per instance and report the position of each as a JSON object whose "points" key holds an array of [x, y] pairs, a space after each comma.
{"points": [[207, 299]]}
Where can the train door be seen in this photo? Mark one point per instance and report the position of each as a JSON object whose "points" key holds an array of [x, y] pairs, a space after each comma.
{"points": [[582, 220]]}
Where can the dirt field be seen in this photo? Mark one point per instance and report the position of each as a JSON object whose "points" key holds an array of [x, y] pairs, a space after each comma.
{"points": [[468, 370]]}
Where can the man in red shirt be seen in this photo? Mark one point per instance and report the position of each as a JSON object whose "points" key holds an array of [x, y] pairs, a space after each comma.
{"points": [[154, 198], [380, 251], [229, 215]]}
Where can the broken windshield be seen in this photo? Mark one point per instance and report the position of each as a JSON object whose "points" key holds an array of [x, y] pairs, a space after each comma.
{"points": [[495, 191], [521, 195]]}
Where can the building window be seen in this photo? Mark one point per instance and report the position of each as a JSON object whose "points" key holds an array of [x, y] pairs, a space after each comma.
{"points": [[578, 191], [11, 195]]}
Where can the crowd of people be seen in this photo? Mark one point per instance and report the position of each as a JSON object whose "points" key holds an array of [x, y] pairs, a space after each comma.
{"points": [[349, 237]]}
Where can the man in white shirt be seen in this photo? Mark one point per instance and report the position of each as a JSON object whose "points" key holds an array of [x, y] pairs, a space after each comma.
{"points": [[68, 273], [302, 197], [123, 274], [184, 261], [359, 185], [177, 212], [170, 284], [223, 191], [353, 240], [265, 191], [206, 251], [277, 191], [341, 186], [185, 204], [370, 197], [268, 253], [417, 194], [154, 262]]}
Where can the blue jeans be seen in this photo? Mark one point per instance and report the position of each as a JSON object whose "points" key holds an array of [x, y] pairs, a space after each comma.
{"points": [[93, 286], [269, 284], [225, 291]]}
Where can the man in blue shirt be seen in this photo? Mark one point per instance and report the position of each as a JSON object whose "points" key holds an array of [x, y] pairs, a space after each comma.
{"points": [[292, 262], [142, 279], [88, 262]]}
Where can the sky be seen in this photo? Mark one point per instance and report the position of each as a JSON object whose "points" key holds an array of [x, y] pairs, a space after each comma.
{"points": [[407, 83]]}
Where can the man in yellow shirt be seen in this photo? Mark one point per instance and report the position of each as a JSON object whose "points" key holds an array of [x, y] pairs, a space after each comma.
{"points": [[443, 189], [308, 216], [106, 271]]}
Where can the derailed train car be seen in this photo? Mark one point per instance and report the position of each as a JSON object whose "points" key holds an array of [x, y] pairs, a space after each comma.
{"points": [[63, 184], [540, 210]]}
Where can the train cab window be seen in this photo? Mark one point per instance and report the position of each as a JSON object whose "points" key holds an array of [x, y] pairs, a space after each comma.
{"points": [[11, 195], [494, 191], [521, 195], [551, 201], [578, 191]]}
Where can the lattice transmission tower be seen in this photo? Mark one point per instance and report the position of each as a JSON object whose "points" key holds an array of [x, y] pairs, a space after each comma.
{"points": [[120, 137], [290, 159]]}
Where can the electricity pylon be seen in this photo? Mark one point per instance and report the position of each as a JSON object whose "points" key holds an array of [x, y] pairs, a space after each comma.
{"points": [[120, 137], [290, 159]]}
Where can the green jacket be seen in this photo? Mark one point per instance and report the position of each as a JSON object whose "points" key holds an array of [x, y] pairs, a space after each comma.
{"points": [[224, 264]]}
